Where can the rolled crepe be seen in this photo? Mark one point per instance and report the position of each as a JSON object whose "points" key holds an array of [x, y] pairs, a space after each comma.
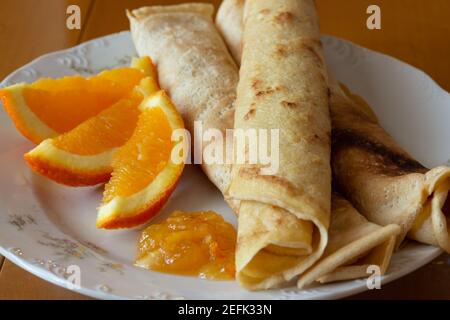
{"points": [[354, 245], [380, 179], [283, 217], [194, 67], [229, 21]]}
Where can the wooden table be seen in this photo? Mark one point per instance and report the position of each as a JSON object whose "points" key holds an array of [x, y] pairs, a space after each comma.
{"points": [[415, 31]]}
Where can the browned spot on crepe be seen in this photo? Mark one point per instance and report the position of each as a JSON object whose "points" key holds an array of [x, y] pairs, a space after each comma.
{"points": [[251, 112], [240, 3], [261, 90], [254, 173], [281, 51], [284, 17], [288, 104], [310, 45], [267, 91], [387, 161], [317, 139], [256, 83], [249, 172]]}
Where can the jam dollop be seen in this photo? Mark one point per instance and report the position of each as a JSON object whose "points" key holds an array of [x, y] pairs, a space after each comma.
{"points": [[198, 244]]}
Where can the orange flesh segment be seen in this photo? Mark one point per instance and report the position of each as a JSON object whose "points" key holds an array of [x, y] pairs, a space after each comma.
{"points": [[64, 103], [111, 128], [139, 161], [196, 244]]}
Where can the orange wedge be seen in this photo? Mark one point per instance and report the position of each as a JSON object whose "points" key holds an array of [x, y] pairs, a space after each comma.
{"points": [[49, 107], [147, 168], [82, 156]]}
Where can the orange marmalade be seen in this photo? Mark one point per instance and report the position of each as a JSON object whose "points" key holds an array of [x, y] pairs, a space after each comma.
{"points": [[196, 244]]}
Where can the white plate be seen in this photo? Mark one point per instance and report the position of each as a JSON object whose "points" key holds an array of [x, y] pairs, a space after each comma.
{"points": [[45, 227]]}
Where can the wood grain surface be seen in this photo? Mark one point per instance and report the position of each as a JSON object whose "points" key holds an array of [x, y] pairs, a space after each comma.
{"points": [[415, 31]]}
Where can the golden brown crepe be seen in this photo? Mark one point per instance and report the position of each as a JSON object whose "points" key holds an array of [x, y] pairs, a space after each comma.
{"points": [[283, 217], [194, 66], [432, 222], [382, 180], [229, 21], [354, 244]]}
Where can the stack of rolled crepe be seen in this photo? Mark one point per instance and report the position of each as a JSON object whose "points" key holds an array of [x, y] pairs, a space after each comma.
{"points": [[282, 233], [278, 239], [382, 180]]}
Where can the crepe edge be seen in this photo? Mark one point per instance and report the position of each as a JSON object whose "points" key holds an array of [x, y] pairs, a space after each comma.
{"points": [[434, 229], [195, 7], [283, 278], [229, 24], [332, 268]]}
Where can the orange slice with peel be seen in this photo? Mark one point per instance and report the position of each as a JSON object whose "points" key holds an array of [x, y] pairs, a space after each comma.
{"points": [[82, 156], [147, 168], [49, 107]]}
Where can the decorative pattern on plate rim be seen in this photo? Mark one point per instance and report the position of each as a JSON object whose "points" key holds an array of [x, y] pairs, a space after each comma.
{"points": [[20, 221], [159, 296], [107, 266], [65, 248]]}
